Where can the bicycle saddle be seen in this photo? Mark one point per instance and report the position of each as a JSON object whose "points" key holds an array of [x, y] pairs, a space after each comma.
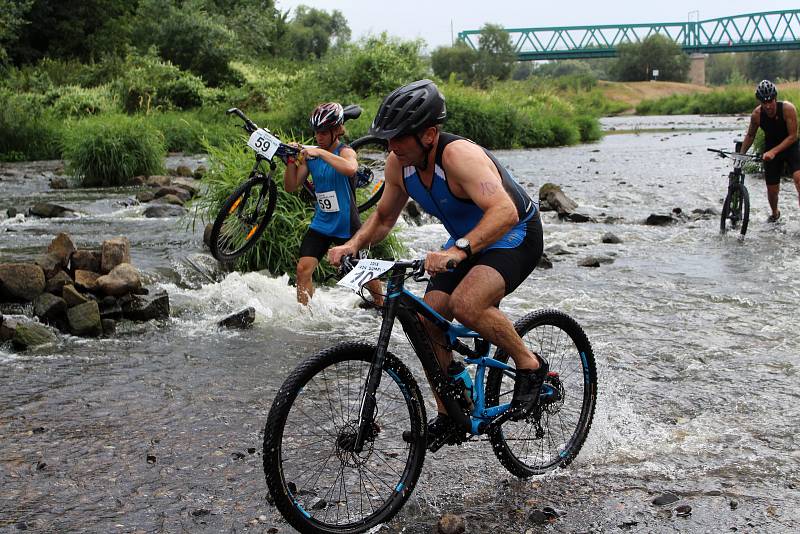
{"points": [[353, 111]]}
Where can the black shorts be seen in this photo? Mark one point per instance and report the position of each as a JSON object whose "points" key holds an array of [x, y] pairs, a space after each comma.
{"points": [[513, 264], [315, 244], [774, 169]]}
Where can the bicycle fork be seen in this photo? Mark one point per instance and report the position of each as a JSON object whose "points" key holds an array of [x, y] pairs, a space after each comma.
{"points": [[366, 413]]}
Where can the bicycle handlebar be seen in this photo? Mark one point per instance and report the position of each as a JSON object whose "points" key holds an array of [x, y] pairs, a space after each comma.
{"points": [[728, 154], [349, 262], [249, 125], [283, 151]]}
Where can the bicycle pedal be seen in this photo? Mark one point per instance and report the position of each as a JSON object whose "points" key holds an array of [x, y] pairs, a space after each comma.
{"points": [[449, 435], [454, 437]]}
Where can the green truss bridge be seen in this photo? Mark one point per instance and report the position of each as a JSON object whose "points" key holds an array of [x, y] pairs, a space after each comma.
{"points": [[771, 30]]}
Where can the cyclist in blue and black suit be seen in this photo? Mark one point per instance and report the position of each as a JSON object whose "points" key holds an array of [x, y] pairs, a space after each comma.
{"points": [[332, 165], [495, 229]]}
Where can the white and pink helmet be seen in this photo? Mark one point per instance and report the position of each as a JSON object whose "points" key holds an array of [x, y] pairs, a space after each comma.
{"points": [[327, 116]]}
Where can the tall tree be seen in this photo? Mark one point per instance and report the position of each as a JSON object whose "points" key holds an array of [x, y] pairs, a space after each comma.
{"points": [[12, 13], [636, 61], [791, 65], [495, 55], [257, 24], [764, 65], [459, 60], [313, 31], [191, 36], [83, 30]]}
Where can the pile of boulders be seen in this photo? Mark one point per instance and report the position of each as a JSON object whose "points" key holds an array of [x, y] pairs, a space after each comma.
{"points": [[78, 291], [169, 193]]}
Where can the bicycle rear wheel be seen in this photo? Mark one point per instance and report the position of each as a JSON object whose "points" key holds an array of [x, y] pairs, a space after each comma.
{"points": [[317, 482], [553, 435], [243, 218], [371, 153]]}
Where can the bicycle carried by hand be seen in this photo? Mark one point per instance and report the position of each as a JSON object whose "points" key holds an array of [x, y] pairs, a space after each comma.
{"points": [[736, 207], [245, 214], [347, 433]]}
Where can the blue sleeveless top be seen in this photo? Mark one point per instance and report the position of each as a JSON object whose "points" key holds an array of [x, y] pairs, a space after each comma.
{"points": [[336, 214], [459, 215]]}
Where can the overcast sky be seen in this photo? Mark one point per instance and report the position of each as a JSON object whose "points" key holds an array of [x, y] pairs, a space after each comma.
{"points": [[431, 19]]}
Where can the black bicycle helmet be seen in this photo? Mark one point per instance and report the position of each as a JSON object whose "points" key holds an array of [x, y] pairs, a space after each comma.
{"points": [[408, 110], [766, 90], [327, 116]]}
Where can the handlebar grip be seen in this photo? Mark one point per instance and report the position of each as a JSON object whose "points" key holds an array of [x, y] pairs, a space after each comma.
{"points": [[347, 263], [451, 264], [250, 126]]}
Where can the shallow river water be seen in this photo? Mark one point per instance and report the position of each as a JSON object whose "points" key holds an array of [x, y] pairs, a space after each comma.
{"points": [[159, 429]]}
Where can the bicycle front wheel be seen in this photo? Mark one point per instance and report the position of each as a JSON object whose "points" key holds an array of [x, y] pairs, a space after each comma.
{"points": [[319, 483], [371, 153], [735, 210], [243, 218], [744, 209], [554, 433]]}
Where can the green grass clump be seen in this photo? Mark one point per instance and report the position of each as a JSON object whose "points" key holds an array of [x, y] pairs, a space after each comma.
{"points": [[517, 115], [277, 249], [186, 131], [72, 101], [28, 130], [110, 150]]}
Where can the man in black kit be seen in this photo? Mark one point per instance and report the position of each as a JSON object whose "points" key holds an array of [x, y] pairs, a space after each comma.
{"points": [[779, 122]]}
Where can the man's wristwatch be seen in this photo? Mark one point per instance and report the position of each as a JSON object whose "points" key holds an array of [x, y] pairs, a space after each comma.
{"points": [[463, 244]]}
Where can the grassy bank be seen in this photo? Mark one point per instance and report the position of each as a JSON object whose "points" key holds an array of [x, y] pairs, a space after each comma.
{"points": [[40, 105], [727, 100]]}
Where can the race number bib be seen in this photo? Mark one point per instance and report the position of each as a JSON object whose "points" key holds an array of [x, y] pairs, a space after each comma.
{"points": [[365, 271], [264, 143], [327, 201]]}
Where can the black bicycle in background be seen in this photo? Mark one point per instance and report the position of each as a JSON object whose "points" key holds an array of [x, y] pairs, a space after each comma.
{"points": [[736, 207], [245, 214]]}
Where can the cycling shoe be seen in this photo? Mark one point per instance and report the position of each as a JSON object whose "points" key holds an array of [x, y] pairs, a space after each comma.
{"points": [[526, 390]]}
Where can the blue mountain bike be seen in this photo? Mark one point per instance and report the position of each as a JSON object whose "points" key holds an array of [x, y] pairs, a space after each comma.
{"points": [[346, 436]]}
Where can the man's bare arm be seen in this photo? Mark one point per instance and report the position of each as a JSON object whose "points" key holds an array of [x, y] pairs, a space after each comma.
{"points": [[381, 222], [751, 130], [472, 171]]}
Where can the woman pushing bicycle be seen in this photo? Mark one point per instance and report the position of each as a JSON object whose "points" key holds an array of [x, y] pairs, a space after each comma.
{"points": [[332, 165]]}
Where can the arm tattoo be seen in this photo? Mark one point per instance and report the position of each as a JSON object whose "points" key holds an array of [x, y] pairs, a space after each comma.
{"points": [[489, 188]]}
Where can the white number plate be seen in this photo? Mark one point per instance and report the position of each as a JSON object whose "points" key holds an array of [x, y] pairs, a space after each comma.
{"points": [[327, 202], [264, 143], [365, 271]]}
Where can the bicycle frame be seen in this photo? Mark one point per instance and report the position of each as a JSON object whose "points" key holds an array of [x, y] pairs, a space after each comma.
{"points": [[400, 304]]}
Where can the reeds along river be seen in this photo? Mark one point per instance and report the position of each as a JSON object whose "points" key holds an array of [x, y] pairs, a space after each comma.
{"points": [[158, 429]]}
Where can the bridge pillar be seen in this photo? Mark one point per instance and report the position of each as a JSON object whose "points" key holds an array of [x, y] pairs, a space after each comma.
{"points": [[697, 69]]}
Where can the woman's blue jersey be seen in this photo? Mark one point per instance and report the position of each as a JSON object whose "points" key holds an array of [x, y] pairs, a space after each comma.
{"points": [[336, 214]]}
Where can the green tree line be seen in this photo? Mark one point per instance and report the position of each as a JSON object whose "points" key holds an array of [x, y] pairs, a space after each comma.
{"points": [[495, 60], [201, 36]]}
